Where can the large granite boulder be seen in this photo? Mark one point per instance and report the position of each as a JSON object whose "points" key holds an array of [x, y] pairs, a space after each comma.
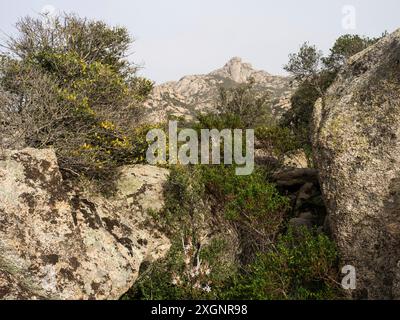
{"points": [[61, 243], [356, 141]]}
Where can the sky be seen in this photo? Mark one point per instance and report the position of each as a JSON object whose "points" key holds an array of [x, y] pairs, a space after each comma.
{"points": [[174, 38]]}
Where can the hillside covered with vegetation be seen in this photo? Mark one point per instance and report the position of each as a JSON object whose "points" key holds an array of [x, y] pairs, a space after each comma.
{"points": [[69, 85]]}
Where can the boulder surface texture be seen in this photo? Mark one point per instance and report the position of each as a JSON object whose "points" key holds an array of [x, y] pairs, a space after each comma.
{"points": [[356, 142], [61, 243]]}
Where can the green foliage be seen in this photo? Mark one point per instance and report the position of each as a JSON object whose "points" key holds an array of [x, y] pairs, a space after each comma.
{"points": [[141, 87], [298, 118], [296, 265], [300, 266], [344, 47], [91, 101], [305, 64], [315, 74], [198, 195], [139, 143], [239, 107], [184, 194], [281, 140], [193, 269], [180, 277], [219, 121], [251, 203], [244, 196]]}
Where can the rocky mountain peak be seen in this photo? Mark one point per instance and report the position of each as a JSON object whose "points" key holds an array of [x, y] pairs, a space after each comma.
{"points": [[194, 94], [237, 70]]}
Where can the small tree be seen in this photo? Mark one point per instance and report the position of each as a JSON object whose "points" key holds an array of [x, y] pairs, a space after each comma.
{"points": [[306, 65]]}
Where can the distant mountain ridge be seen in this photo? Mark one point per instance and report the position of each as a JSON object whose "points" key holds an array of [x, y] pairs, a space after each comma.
{"points": [[198, 93]]}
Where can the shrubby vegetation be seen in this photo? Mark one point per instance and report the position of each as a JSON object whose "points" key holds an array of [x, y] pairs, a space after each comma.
{"points": [[185, 274], [291, 265], [314, 74], [70, 86], [67, 84], [274, 261], [299, 266], [194, 269], [251, 203], [238, 108], [270, 261], [280, 139]]}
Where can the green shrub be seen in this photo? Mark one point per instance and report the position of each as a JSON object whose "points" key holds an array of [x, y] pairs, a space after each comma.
{"points": [[219, 121], [185, 274], [300, 266], [183, 194], [75, 91], [299, 117], [196, 266], [240, 107], [345, 47], [251, 203], [296, 265], [279, 139], [250, 195], [315, 73]]}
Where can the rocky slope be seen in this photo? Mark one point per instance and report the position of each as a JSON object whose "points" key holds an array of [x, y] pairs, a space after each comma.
{"points": [[198, 93], [60, 243], [356, 140]]}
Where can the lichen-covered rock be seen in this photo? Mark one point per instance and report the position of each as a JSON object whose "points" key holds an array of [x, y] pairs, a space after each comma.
{"points": [[290, 177], [297, 159], [57, 243], [356, 140]]}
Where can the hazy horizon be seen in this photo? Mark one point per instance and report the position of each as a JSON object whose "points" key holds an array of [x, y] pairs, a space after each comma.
{"points": [[178, 37]]}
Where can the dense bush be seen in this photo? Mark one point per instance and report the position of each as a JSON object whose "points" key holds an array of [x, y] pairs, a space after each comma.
{"points": [[239, 107], [251, 202], [345, 47], [302, 265], [279, 139], [197, 200], [184, 200], [74, 90]]}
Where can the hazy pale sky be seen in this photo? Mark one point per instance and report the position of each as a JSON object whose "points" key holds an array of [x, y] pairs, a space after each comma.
{"points": [[180, 37]]}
